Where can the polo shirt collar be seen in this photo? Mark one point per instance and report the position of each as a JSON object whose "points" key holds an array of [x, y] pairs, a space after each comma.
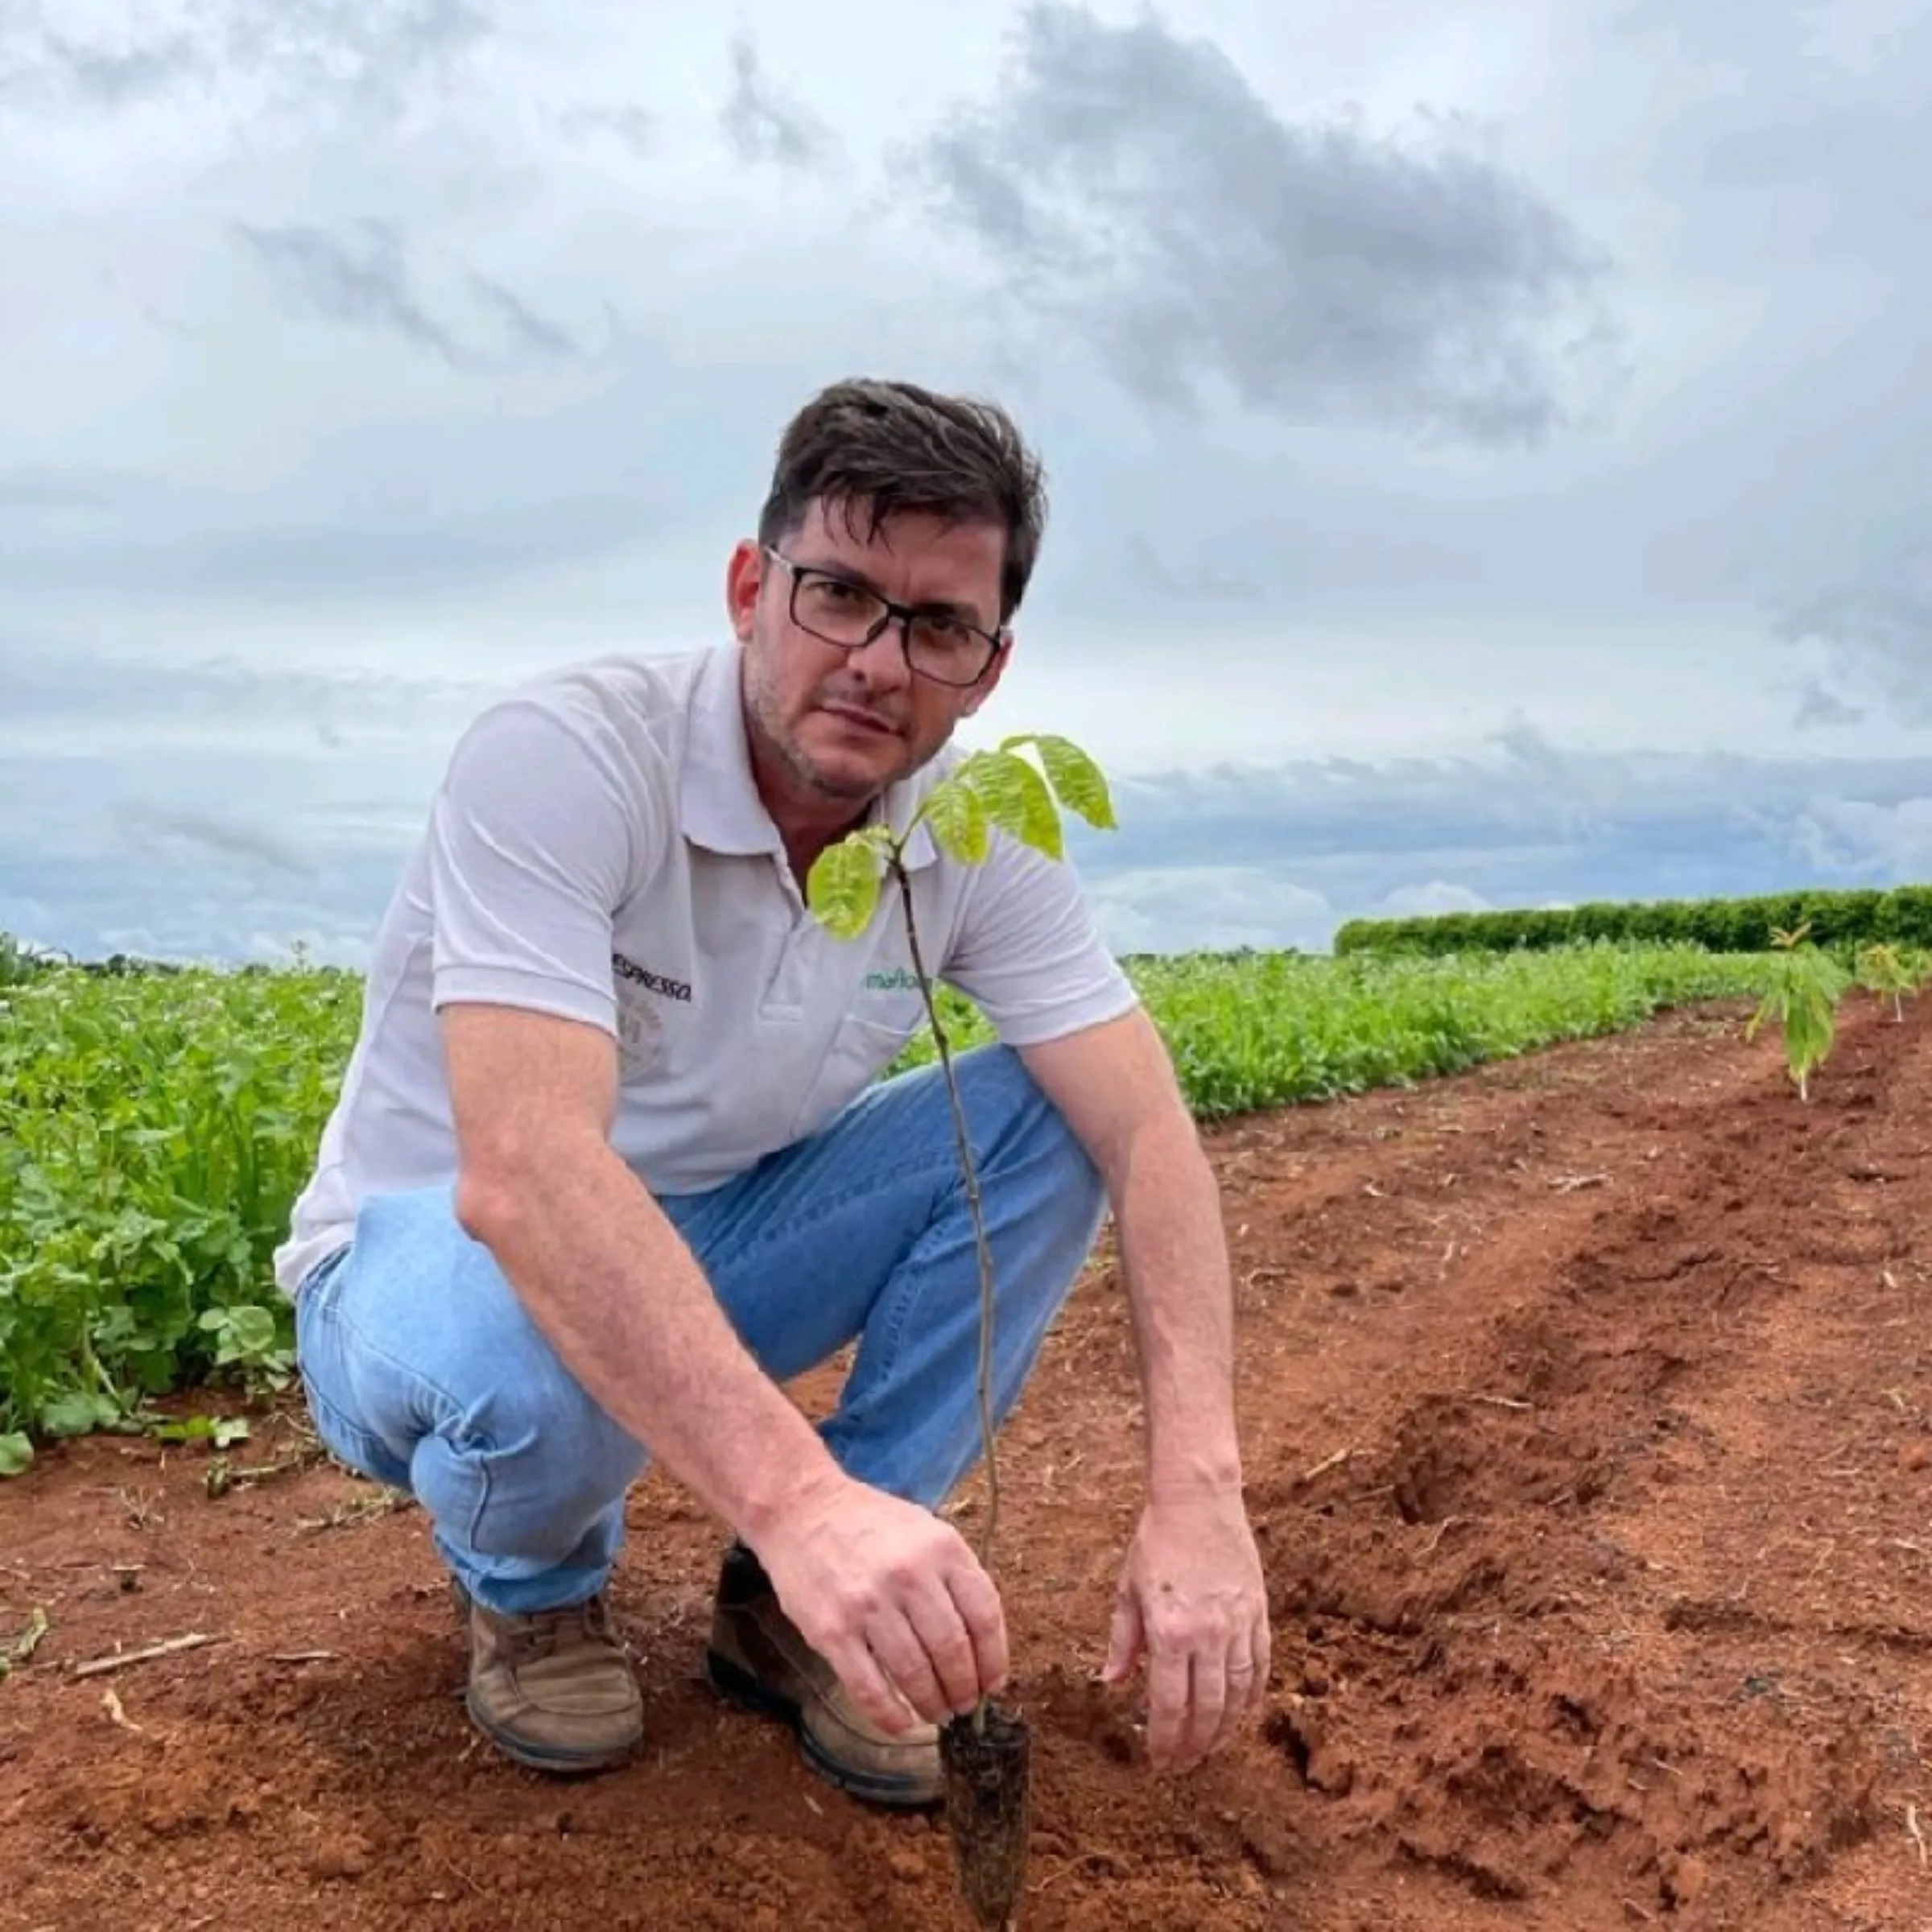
{"points": [[717, 795]]}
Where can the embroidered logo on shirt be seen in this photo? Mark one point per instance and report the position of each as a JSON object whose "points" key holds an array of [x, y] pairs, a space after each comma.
{"points": [[898, 979], [652, 982]]}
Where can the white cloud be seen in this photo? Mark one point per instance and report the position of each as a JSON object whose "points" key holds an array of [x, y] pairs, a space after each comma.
{"points": [[1211, 908], [1428, 901], [1888, 842]]}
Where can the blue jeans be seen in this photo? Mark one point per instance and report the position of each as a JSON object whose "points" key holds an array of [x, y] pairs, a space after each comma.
{"points": [[422, 1370]]}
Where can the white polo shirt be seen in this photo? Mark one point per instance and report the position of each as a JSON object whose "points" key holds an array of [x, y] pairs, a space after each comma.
{"points": [[597, 850]]}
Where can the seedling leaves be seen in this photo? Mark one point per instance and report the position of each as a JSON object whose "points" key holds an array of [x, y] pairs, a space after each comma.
{"points": [[1016, 798], [956, 816], [1079, 782], [843, 889]]}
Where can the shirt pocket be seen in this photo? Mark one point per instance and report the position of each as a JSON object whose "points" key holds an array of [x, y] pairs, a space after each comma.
{"points": [[864, 1044]]}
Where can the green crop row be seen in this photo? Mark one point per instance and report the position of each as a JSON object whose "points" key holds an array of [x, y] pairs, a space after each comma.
{"points": [[1839, 921], [158, 1126], [1269, 1029]]}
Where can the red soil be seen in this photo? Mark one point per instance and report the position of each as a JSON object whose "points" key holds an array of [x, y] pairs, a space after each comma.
{"points": [[1586, 1401]]}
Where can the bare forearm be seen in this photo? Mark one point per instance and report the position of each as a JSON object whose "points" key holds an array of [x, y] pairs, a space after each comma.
{"points": [[1175, 1256], [619, 1296]]}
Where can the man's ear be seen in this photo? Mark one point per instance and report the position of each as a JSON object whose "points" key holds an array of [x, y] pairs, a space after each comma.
{"points": [[743, 577]]}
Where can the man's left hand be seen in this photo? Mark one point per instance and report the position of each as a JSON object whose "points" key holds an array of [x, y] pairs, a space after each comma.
{"points": [[1193, 1603]]}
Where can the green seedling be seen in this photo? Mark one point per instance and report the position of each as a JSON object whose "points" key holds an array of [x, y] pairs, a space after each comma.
{"points": [[987, 1753], [19, 1649], [218, 1431], [1805, 987], [1883, 969]]}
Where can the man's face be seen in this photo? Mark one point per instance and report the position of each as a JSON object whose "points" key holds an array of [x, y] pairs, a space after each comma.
{"points": [[841, 724]]}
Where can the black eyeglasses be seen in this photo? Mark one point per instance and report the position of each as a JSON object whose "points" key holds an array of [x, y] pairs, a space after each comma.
{"points": [[938, 645]]}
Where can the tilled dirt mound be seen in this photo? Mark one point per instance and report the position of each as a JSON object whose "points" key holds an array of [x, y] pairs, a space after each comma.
{"points": [[1587, 1409]]}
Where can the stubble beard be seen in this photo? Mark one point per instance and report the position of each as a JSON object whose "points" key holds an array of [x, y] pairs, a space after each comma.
{"points": [[781, 744]]}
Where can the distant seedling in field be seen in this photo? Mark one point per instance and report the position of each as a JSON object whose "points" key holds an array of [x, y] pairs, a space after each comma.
{"points": [[1802, 998], [1883, 969], [987, 1753]]}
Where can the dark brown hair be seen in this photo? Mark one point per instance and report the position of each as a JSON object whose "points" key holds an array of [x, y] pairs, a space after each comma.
{"points": [[876, 449]]}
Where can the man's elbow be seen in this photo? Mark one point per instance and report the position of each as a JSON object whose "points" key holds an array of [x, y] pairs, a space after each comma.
{"points": [[487, 1201]]}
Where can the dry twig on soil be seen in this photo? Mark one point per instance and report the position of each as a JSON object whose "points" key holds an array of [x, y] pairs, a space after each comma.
{"points": [[122, 1660], [1328, 1462]]}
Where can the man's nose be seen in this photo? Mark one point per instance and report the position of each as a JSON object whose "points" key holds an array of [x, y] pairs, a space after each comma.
{"points": [[883, 662]]}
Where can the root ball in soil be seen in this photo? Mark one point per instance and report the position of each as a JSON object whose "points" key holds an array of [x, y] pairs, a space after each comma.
{"points": [[988, 1758]]}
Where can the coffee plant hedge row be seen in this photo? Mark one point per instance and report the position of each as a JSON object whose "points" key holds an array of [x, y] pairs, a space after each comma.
{"points": [[1901, 915]]}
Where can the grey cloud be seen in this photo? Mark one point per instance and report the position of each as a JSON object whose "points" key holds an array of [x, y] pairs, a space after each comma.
{"points": [[1790, 45], [104, 846], [1853, 160], [1841, 144], [1819, 706], [527, 330], [1138, 192], [364, 278], [418, 552], [305, 51], [1531, 822], [367, 284], [166, 833], [1875, 633], [217, 846], [1784, 131], [762, 125], [631, 127], [43, 688], [52, 67], [1198, 580], [185, 912], [373, 513]]}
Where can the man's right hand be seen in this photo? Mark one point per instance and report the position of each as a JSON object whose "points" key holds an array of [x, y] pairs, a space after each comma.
{"points": [[893, 1598]]}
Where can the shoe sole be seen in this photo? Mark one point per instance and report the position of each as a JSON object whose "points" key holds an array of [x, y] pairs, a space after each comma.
{"points": [[734, 1682]]}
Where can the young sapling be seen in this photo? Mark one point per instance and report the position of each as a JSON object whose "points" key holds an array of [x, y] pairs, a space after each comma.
{"points": [[1802, 996], [1883, 969], [987, 1754]]}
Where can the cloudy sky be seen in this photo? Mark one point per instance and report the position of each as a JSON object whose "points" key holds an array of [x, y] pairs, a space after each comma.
{"points": [[1482, 446]]}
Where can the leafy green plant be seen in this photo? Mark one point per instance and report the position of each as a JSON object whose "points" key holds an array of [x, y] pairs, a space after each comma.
{"points": [[1842, 919], [988, 1753], [158, 1126], [1805, 986], [1884, 969], [19, 1648], [154, 1126]]}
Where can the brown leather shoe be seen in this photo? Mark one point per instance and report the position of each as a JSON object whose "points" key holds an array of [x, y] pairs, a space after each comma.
{"points": [[758, 1658], [553, 1689]]}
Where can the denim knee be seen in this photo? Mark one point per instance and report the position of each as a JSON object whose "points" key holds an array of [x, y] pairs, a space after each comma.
{"points": [[418, 1345], [523, 1408]]}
